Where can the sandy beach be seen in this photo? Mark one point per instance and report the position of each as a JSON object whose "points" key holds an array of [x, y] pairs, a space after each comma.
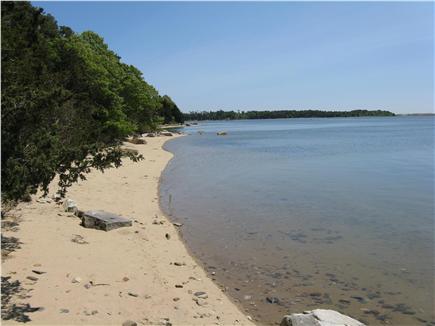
{"points": [[141, 273]]}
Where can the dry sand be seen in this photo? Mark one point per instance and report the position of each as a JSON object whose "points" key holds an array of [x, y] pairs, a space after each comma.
{"points": [[132, 268]]}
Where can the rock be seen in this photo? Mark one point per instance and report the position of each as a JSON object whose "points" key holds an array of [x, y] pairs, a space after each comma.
{"points": [[176, 299], [38, 272], [105, 221], [319, 317], [221, 133], [129, 323], [64, 311], [179, 264], [137, 141], [76, 280], [178, 225], [201, 295], [79, 213], [133, 294], [78, 239], [166, 133], [69, 205], [247, 297], [87, 286], [179, 286], [151, 134], [167, 236], [272, 300], [125, 279], [56, 197], [32, 278], [200, 302]]}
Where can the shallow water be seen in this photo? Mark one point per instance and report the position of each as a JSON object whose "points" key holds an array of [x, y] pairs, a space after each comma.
{"points": [[333, 213]]}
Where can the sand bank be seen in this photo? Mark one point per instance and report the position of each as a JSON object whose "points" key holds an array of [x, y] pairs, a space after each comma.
{"points": [[94, 277]]}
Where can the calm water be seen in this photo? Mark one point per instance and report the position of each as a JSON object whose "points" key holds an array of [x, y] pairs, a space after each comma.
{"points": [[335, 213]]}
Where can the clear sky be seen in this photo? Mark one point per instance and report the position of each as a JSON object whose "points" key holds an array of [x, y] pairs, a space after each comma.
{"points": [[282, 55]]}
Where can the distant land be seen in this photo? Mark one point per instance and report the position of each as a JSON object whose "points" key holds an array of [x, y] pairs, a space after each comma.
{"points": [[282, 114]]}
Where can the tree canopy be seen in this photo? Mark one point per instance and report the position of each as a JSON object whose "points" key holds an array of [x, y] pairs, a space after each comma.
{"points": [[281, 114], [67, 102]]}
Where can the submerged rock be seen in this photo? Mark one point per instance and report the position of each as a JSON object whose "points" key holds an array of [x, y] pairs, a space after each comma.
{"points": [[221, 133], [319, 317]]}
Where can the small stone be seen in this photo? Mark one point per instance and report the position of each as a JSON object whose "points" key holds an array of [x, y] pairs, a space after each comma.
{"points": [[200, 302], [272, 300], [87, 286], [64, 311], [179, 264], [133, 294], [94, 312], [176, 299], [129, 323], [155, 222], [167, 236], [179, 286], [32, 278], [178, 225], [125, 279], [76, 280], [38, 272], [201, 295], [247, 297]]}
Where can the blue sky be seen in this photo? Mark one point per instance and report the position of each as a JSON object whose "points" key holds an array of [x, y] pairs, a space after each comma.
{"points": [[282, 55]]}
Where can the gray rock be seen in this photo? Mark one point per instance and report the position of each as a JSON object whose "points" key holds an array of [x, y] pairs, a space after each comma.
{"points": [[102, 220], [319, 317], [32, 278], [129, 323], [221, 133], [166, 133], [137, 141], [178, 225], [201, 294], [69, 205]]}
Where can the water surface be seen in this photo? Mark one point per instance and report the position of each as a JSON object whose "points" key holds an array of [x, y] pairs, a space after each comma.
{"points": [[306, 213]]}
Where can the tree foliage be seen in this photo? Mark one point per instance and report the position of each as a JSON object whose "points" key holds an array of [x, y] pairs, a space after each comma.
{"points": [[67, 102], [283, 114]]}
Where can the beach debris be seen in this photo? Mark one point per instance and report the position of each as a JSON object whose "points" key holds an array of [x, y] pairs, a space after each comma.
{"points": [[129, 323], [201, 294], [32, 278], [167, 236], [76, 279], [69, 205], [221, 133], [102, 220], [319, 317], [38, 272], [78, 239], [178, 225], [272, 300]]}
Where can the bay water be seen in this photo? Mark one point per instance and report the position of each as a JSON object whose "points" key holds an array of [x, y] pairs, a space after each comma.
{"points": [[296, 214]]}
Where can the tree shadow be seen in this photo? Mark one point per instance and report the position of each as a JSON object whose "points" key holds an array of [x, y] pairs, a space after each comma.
{"points": [[10, 310]]}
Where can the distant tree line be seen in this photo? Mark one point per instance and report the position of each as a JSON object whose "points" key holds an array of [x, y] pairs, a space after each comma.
{"points": [[67, 102], [282, 114]]}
